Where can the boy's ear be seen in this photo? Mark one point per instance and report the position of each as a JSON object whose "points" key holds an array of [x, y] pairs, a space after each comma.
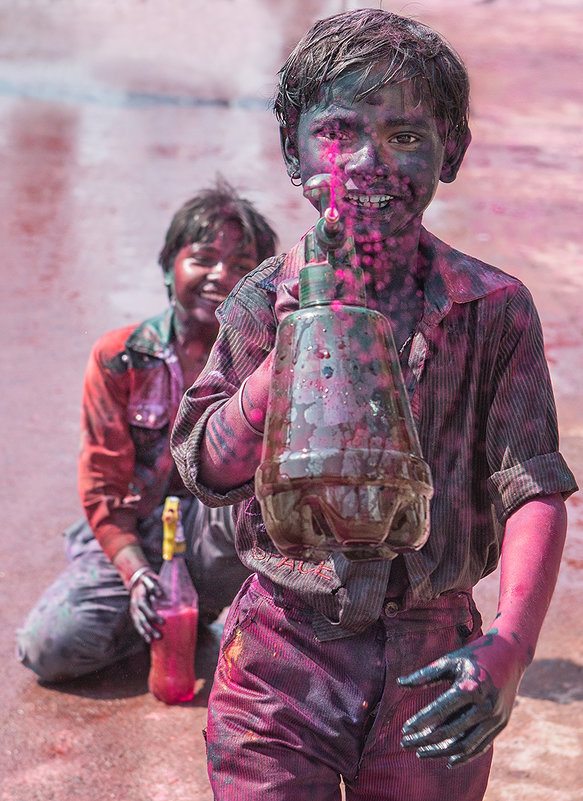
{"points": [[288, 151], [454, 155]]}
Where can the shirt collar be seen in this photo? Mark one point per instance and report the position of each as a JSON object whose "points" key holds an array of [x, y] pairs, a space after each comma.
{"points": [[153, 336], [453, 277], [449, 275]]}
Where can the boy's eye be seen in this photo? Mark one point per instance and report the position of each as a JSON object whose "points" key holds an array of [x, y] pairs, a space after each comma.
{"points": [[203, 261], [404, 139], [333, 134]]}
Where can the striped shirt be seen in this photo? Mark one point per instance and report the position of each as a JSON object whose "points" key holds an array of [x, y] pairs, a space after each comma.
{"points": [[483, 404]]}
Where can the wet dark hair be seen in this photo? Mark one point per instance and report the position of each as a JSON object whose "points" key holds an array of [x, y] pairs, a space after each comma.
{"points": [[358, 42], [199, 218]]}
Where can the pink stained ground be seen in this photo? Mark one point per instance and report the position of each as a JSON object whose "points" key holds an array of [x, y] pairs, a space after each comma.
{"points": [[96, 155]]}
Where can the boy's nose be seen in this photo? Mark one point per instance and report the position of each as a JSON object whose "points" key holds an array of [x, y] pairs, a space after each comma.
{"points": [[367, 159], [218, 270], [223, 276]]}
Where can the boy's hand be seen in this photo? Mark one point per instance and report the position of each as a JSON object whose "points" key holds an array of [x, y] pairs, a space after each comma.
{"points": [[144, 616], [258, 383], [287, 300], [463, 721]]}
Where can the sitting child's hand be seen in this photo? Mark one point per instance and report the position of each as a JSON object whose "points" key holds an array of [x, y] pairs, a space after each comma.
{"points": [[144, 616], [462, 722]]}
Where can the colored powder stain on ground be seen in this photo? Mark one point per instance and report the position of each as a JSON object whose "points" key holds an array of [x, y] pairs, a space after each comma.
{"points": [[93, 240]]}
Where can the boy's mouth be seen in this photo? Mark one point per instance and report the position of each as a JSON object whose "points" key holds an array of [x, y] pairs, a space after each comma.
{"points": [[367, 201], [212, 297]]}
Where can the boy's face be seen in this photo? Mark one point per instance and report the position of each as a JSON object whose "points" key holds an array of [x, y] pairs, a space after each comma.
{"points": [[386, 149], [206, 271]]}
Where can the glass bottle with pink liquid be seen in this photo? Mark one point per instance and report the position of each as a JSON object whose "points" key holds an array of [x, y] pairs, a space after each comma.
{"points": [[172, 676]]}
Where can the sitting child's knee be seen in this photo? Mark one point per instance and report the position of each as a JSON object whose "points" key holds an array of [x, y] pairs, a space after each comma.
{"points": [[48, 659]]}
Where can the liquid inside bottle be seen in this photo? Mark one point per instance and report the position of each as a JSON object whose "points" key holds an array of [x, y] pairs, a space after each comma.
{"points": [[172, 677]]}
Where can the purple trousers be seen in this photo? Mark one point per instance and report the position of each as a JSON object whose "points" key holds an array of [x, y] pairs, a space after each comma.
{"points": [[288, 715]]}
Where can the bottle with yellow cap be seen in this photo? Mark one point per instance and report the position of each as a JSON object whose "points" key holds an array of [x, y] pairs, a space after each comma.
{"points": [[172, 676]]}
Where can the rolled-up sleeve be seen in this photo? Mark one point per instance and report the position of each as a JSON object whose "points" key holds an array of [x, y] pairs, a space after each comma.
{"points": [[522, 432]]}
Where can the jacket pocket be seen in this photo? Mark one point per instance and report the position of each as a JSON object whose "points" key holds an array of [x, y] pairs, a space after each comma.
{"points": [[149, 429]]}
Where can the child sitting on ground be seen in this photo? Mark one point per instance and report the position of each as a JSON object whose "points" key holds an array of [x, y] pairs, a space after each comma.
{"points": [[100, 609]]}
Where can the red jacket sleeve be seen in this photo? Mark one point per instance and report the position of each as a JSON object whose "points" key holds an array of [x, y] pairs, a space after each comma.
{"points": [[107, 455]]}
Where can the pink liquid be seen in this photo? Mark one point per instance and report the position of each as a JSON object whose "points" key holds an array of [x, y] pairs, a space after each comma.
{"points": [[172, 676]]}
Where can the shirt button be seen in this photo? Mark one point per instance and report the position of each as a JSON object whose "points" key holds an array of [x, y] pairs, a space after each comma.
{"points": [[391, 608]]}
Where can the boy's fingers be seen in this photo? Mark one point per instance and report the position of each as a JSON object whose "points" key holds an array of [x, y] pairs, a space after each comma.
{"points": [[426, 675], [147, 630], [152, 585], [433, 715], [149, 613], [474, 744], [450, 729], [287, 298]]}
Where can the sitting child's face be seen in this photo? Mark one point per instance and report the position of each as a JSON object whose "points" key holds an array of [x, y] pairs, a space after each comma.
{"points": [[207, 270], [385, 148]]}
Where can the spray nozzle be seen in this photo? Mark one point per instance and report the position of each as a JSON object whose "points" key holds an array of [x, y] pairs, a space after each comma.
{"points": [[173, 542], [324, 191], [331, 272], [319, 190]]}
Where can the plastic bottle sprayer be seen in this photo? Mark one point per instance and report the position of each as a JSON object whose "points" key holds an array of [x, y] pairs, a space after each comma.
{"points": [[341, 466]]}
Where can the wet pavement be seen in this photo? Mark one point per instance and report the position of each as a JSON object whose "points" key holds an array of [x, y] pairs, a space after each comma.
{"points": [[111, 115]]}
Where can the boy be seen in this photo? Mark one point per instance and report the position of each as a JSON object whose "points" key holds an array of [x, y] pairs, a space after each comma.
{"points": [[99, 610], [358, 669]]}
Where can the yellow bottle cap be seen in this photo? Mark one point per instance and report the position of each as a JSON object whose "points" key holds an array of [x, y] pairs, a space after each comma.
{"points": [[170, 519]]}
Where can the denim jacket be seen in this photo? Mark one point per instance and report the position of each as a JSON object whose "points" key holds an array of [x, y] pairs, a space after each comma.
{"points": [[132, 389]]}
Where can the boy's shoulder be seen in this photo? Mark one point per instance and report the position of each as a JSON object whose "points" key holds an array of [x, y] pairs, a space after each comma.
{"points": [[150, 336], [462, 278], [113, 341]]}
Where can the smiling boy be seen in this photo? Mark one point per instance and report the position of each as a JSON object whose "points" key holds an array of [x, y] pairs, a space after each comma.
{"points": [[379, 671]]}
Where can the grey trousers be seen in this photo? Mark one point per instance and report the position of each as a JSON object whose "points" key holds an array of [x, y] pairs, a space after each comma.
{"points": [[82, 622]]}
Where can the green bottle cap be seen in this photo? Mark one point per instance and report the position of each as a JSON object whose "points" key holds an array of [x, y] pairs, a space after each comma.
{"points": [[321, 284]]}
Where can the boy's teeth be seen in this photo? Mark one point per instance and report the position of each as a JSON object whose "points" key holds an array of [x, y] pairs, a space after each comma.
{"points": [[378, 201]]}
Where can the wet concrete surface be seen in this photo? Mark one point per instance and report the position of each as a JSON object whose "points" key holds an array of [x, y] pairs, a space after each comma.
{"points": [[111, 115]]}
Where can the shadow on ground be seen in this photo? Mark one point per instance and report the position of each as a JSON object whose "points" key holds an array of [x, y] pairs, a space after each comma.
{"points": [[129, 677], [558, 680]]}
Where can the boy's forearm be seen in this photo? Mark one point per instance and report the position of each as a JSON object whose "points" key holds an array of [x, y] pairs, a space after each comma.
{"points": [[529, 566], [229, 452], [128, 560], [231, 447]]}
